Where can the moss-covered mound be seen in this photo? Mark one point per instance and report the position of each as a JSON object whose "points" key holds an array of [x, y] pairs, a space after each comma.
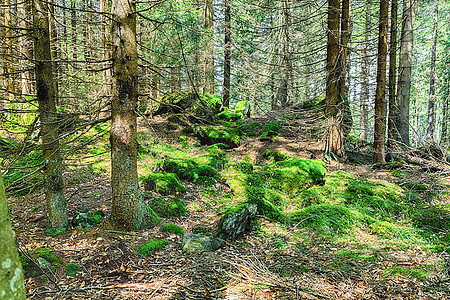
{"points": [[72, 269], [271, 130], [86, 219], [172, 228], [152, 246], [192, 104], [188, 169], [208, 135], [163, 183], [167, 207]]}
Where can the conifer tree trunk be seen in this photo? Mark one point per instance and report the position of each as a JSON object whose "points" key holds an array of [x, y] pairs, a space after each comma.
{"points": [[284, 63], [404, 70], [431, 123], [365, 70], [11, 273], [53, 182], [128, 209], [333, 141], [227, 56], [380, 100], [208, 53], [393, 104], [8, 66]]}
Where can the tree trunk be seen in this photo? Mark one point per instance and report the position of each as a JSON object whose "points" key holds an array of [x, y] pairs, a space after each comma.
{"points": [[54, 50], [8, 65], [284, 63], [431, 123], [53, 182], [333, 141], [106, 47], [128, 210], [404, 76], [344, 64], [208, 53], [380, 100], [227, 56], [393, 104], [11, 273], [73, 24], [365, 82]]}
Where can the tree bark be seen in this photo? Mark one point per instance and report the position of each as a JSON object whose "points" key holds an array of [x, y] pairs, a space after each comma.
{"points": [[227, 56], [11, 273], [333, 141], [365, 83], [53, 182], [404, 76], [284, 63], [128, 209], [393, 104], [380, 100], [208, 53], [431, 122]]}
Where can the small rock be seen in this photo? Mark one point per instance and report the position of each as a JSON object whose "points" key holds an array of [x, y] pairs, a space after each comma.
{"points": [[235, 222], [43, 263], [197, 243]]}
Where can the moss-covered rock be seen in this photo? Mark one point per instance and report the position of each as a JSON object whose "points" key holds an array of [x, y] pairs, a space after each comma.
{"points": [[163, 183], [152, 246], [257, 196], [208, 135], [167, 207], [236, 221], [86, 219], [271, 130], [275, 155], [228, 116], [196, 243], [250, 129], [172, 228], [44, 257], [188, 169]]}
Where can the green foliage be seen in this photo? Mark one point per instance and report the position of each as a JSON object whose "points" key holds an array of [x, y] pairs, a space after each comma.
{"points": [[217, 157], [152, 246], [271, 130], [172, 228], [51, 232], [228, 116], [249, 129], [72, 269], [245, 167], [241, 107], [167, 207], [419, 273], [317, 103], [163, 183]]}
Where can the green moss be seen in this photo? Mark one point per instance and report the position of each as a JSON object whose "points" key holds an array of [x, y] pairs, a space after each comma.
{"points": [[209, 135], [163, 183], [22, 178], [201, 230], [217, 157], [30, 268], [86, 219], [314, 103], [275, 155], [189, 169], [250, 129], [421, 274], [242, 107], [172, 228], [271, 130], [228, 116], [245, 167], [152, 246], [256, 195], [167, 207], [72, 269], [330, 218], [51, 232], [433, 218]]}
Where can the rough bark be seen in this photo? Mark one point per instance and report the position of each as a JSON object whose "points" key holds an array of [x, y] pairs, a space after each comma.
{"points": [[344, 64], [11, 273], [128, 209], [365, 70], [73, 25], [393, 104], [53, 182], [227, 56], [380, 100], [106, 47], [431, 123], [333, 141], [208, 53], [284, 63], [404, 76], [8, 55], [54, 50]]}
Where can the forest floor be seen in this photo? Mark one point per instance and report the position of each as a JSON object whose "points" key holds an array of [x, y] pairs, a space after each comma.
{"points": [[274, 261]]}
